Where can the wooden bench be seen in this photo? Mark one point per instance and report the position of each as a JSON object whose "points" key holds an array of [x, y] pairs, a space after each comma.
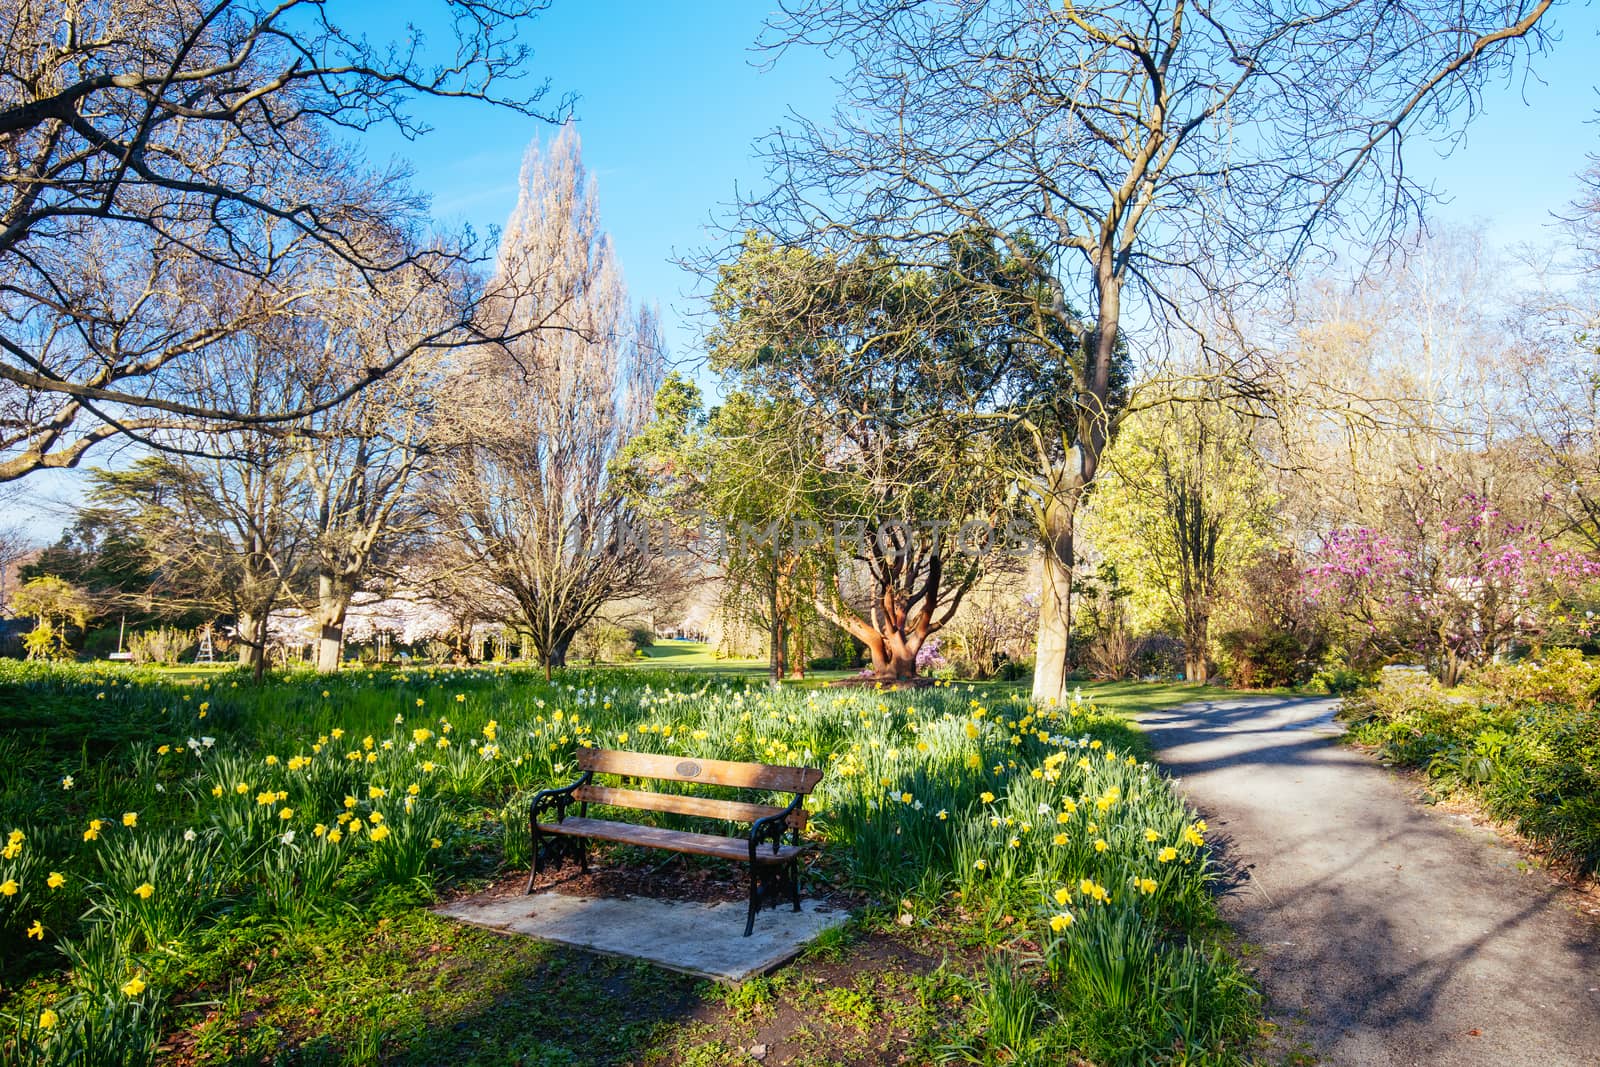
{"points": [[774, 871]]}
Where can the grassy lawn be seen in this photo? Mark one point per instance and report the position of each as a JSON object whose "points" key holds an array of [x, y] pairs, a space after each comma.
{"points": [[244, 873]]}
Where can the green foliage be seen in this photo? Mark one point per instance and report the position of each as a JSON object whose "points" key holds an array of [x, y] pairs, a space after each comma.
{"points": [[1255, 660], [160, 645], [44, 641], [194, 821], [605, 642], [1524, 739], [1182, 509], [1338, 680]]}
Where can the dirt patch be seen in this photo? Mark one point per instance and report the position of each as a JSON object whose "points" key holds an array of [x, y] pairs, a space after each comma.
{"points": [[614, 873], [878, 1000]]}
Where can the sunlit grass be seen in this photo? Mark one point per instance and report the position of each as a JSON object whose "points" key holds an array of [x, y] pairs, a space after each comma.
{"points": [[183, 815]]}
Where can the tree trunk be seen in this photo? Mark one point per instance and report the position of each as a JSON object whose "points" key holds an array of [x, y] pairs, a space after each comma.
{"points": [[898, 660], [876, 650], [253, 643], [333, 602], [1195, 640], [777, 632], [1054, 649], [556, 657], [250, 643], [798, 653]]}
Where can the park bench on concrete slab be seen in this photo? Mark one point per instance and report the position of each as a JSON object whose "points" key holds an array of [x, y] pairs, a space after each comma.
{"points": [[774, 865]]}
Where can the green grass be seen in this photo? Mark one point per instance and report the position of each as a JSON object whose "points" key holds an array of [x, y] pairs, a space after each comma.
{"points": [[290, 835]]}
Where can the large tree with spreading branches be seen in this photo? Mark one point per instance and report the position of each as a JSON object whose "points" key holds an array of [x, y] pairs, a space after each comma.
{"points": [[167, 168], [1141, 160]]}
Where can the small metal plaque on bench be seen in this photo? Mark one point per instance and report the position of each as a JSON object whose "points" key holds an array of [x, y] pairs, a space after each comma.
{"points": [[688, 768]]}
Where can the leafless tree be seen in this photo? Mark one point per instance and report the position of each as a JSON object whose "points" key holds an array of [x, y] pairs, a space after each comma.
{"points": [[1555, 375], [15, 546], [361, 458], [1141, 157], [166, 166], [220, 514], [530, 425]]}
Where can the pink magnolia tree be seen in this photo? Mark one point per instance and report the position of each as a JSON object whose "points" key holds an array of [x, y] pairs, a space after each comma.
{"points": [[1455, 583]]}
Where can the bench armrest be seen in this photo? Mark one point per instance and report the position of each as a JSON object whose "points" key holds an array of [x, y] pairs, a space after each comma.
{"points": [[556, 799], [772, 828]]}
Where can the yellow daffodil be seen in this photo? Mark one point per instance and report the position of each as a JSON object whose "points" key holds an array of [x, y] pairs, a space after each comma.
{"points": [[56, 880], [1167, 855], [1060, 921], [130, 818], [48, 1019], [133, 986], [36, 931], [145, 891]]}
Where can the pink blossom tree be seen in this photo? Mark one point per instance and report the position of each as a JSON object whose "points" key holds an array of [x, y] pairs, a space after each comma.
{"points": [[1456, 582]]}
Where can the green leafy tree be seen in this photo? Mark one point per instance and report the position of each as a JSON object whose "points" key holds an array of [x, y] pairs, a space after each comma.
{"points": [[737, 487], [54, 603], [1182, 506], [867, 363]]}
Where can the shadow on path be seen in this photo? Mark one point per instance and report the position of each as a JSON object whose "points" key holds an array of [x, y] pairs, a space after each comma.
{"points": [[1391, 933]]}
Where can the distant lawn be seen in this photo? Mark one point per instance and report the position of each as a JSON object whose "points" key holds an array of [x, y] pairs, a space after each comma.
{"points": [[698, 654], [1126, 697]]}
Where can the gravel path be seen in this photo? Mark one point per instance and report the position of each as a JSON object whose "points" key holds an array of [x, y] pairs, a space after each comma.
{"points": [[1388, 933]]}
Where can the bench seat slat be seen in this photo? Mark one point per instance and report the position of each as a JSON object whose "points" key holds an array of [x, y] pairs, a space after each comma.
{"points": [[678, 804], [709, 771], [732, 848]]}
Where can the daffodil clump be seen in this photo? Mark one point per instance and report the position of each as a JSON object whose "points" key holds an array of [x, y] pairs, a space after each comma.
{"points": [[226, 803]]}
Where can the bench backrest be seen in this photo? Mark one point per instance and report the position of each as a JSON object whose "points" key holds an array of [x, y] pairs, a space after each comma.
{"points": [[684, 769]]}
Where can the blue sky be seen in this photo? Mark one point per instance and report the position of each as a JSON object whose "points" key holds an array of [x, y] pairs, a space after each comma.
{"points": [[670, 98]]}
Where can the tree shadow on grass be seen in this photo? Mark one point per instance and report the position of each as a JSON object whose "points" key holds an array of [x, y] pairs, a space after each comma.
{"points": [[472, 998]]}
